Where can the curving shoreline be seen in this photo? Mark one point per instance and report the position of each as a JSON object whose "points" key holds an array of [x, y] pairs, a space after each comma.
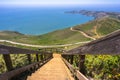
{"points": [[96, 14]]}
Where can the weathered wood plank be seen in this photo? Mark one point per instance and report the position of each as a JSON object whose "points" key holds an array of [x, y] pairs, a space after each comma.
{"points": [[75, 72], [15, 50], [8, 61], [109, 44], [69, 66], [37, 57], [80, 76], [13, 73], [81, 64]]}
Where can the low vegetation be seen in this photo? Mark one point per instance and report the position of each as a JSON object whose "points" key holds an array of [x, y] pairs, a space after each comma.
{"points": [[99, 67], [58, 37], [103, 67]]}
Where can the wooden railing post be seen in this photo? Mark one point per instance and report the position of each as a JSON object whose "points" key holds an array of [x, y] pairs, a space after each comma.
{"points": [[71, 59], [37, 57], [29, 58], [8, 61], [81, 64]]}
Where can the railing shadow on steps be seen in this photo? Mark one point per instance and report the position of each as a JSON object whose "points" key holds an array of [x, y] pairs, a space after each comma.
{"points": [[22, 72], [107, 45]]}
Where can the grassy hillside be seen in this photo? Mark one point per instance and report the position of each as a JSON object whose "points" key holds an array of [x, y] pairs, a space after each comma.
{"points": [[62, 36], [107, 26], [15, 36], [99, 27], [65, 36]]}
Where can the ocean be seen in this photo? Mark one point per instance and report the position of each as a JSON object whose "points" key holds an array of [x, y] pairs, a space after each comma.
{"points": [[41, 20]]}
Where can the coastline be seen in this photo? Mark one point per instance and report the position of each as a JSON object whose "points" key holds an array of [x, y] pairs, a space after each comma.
{"points": [[96, 14], [91, 14], [39, 21]]}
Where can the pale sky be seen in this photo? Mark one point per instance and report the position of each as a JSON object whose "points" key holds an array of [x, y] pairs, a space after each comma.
{"points": [[57, 2]]}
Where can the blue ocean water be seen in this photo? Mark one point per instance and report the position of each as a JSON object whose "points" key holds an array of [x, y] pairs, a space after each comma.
{"points": [[40, 20]]}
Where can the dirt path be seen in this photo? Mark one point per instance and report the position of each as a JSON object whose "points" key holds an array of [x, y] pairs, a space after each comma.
{"points": [[40, 46], [83, 33], [95, 31], [51, 46], [55, 69]]}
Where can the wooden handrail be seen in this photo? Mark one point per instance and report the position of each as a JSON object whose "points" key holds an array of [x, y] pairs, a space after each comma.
{"points": [[15, 50], [13, 73], [75, 72]]}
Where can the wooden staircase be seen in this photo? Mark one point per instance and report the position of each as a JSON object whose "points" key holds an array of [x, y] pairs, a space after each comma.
{"points": [[55, 69]]}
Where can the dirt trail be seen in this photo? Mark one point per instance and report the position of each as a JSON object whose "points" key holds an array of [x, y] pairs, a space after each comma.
{"points": [[83, 33], [55, 69], [40, 46], [95, 31]]}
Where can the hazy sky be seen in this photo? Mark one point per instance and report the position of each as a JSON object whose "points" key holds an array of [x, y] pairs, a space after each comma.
{"points": [[57, 2]]}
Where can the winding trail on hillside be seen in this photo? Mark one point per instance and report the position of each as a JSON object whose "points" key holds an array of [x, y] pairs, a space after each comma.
{"points": [[83, 33], [95, 31], [52, 46], [40, 46]]}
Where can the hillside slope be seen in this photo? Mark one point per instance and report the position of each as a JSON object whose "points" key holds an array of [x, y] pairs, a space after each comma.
{"points": [[96, 28], [57, 37], [99, 27]]}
